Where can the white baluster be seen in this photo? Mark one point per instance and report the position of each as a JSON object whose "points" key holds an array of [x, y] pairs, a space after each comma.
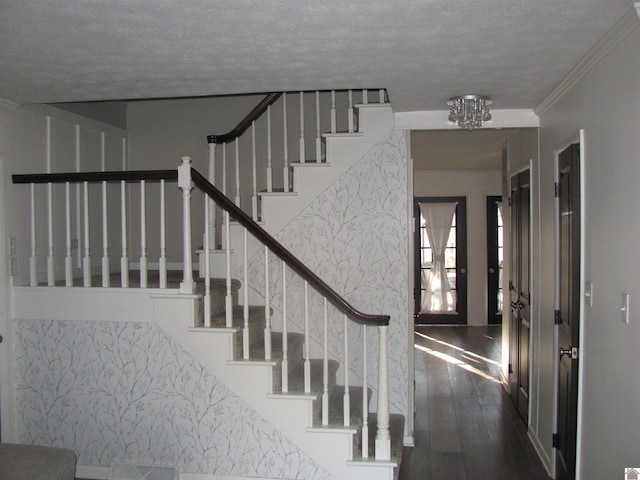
{"points": [[318, 134], [285, 170], [254, 174], [302, 148], [33, 259], [325, 367], [78, 201], [350, 111], [184, 183], [269, 153], [124, 258], [334, 120], [228, 301], [143, 236], [105, 222], [307, 341], [365, 396], [224, 168], [68, 261], [86, 260], [245, 298], [237, 148], [207, 263], [212, 181], [346, 401], [105, 238], [267, 307], [383, 437], [365, 96], [51, 264], [285, 343], [162, 263], [381, 93]]}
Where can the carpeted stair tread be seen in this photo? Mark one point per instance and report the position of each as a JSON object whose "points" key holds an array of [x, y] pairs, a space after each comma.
{"points": [[296, 375]]}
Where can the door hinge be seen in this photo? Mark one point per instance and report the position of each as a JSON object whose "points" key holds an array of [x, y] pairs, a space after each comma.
{"points": [[556, 190], [510, 368], [509, 200], [511, 288], [555, 440], [557, 319]]}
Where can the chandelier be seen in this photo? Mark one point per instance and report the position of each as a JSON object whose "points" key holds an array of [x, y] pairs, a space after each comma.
{"points": [[469, 111]]}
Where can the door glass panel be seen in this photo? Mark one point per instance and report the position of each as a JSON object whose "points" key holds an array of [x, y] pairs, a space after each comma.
{"points": [[427, 260]]}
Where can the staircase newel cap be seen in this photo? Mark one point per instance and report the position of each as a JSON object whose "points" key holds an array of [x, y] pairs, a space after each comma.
{"points": [[184, 174]]}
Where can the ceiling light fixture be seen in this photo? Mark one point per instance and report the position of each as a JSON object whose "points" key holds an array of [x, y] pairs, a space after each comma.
{"points": [[469, 111]]}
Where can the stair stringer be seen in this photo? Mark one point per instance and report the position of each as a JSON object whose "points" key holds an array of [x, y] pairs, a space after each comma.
{"points": [[252, 381]]}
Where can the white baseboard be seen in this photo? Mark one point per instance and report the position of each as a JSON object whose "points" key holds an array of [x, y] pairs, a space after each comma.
{"points": [[537, 445]]}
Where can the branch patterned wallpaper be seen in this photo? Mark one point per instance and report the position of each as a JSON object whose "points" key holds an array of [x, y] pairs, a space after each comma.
{"points": [[354, 237], [118, 391]]}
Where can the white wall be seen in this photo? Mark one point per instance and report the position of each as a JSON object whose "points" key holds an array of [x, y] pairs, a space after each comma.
{"points": [[606, 105], [475, 185]]}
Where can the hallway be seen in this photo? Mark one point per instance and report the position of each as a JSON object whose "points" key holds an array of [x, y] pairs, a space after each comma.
{"points": [[466, 427]]}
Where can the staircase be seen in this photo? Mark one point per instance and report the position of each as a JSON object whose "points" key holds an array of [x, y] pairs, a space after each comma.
{"points": [[319, 400], [298, 415]]}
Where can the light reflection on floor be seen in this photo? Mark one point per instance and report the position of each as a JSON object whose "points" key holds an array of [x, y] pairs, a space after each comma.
{"points": [[465, 354]]}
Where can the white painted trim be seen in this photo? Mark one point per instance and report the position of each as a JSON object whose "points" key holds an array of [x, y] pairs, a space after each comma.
{"points": [[613, 37], [7, 385], [537, 445], [409, 426], [437, 120], [583, 263], [90, 303], [7, 105]]}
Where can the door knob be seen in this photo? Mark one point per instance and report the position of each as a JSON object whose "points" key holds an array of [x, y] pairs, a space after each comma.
{"points": [[491, 270], [571, 351]]}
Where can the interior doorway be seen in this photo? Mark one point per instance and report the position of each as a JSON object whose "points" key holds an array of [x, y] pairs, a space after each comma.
{"points": [[568, 313], [520, 292]]}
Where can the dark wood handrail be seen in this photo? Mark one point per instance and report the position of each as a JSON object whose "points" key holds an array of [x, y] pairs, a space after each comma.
{"points": [[284, 254], [246, 121], [92, 177], [235, 212]]}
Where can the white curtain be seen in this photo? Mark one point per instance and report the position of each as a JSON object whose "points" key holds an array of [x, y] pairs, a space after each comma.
{"points": [[438, 297]]}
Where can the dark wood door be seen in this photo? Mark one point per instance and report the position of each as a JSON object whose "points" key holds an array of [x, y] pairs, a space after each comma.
{"points": [[495, 253], [568, 315], [455, 262], [519, 293]]}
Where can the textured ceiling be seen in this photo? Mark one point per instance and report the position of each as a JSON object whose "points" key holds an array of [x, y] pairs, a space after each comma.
{"points": [[422, 51]]}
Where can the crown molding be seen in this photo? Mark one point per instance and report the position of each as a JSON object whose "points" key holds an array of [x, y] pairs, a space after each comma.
{"points": [[613, 37], [7, 105], [438, 120]]}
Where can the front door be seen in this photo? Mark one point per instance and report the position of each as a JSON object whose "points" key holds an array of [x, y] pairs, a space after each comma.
{"points": [[440, 299], [568, 315], [519, 293]]}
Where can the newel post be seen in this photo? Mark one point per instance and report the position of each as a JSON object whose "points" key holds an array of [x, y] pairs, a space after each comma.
{"points": [[383, 437], [184, 183]]}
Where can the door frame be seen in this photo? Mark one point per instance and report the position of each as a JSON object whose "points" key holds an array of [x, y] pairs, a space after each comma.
{"points": [[580, 140], [492, 240], [461, 261]]}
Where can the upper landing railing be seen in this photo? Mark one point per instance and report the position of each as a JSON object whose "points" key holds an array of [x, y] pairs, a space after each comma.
{"points": [[284, 130], [188, 179]]}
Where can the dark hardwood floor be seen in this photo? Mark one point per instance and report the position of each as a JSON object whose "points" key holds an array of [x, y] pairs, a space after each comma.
{"points": [[466, 427]]}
